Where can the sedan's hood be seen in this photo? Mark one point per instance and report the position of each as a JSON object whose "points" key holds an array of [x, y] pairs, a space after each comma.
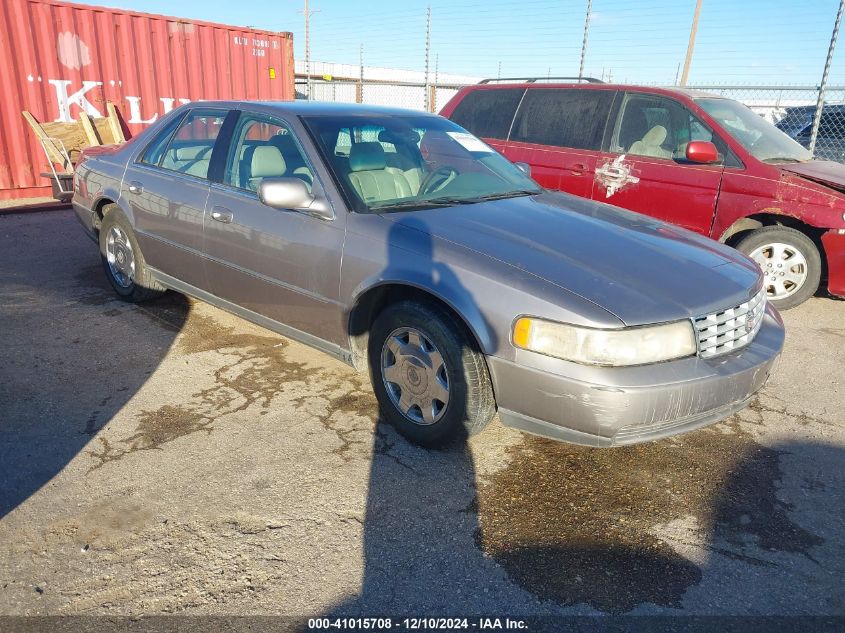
{"points": [[640, 269], [825, 172]]}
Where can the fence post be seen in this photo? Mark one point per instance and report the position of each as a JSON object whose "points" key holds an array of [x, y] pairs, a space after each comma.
{"points": [[583, 43], [817, 117], [359, 88], [427, 48]]}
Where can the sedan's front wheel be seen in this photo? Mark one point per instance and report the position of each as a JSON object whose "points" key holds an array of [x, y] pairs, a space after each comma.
{"points": [[430, 379]]}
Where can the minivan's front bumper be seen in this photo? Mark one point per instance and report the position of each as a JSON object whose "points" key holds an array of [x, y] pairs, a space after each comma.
{"points": [[614, 406]]}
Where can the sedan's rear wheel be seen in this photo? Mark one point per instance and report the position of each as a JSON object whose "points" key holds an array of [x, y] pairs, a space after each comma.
{"points": [[123, 262], [430, 379], [790, 262]]}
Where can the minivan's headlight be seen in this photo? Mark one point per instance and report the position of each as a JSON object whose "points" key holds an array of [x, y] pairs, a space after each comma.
{"points": [[627, 346]]}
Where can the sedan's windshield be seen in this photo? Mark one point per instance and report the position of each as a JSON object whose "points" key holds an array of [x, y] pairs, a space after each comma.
{"points": [[387, 163], [762, 139]]}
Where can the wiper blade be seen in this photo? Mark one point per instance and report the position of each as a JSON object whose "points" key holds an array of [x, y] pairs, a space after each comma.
{"points": [[413, 204], [781, 159], [507, 194], [450, 201]]}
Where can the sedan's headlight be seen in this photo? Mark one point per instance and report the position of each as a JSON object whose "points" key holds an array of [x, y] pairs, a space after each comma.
{"points": [[627, 346]]}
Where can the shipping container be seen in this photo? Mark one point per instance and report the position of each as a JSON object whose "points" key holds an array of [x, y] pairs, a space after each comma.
{"points": [[57, 58]]}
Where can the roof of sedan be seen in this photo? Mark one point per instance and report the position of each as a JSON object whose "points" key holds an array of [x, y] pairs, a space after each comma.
{"points": [[303, 107]]}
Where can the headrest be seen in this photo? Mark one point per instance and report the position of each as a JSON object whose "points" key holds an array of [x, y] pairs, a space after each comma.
{"points": [[192, 152], [267, 160], [655, 136], [395, 137], [367, 157]]}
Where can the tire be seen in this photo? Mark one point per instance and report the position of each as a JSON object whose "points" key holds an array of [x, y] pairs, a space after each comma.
{"points": [[123, 262], [772, 247], [469, 405]]}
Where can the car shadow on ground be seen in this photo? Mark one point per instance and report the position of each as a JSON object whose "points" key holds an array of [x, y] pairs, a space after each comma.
{"points": [[70, 364]]}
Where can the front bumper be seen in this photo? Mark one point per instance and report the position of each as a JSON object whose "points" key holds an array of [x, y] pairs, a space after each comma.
{"points": [[614, 406], [834, 248]]}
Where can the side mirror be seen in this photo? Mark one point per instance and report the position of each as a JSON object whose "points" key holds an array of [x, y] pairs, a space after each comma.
{"points": [[292, 194], [525, 168], [703, 152]]}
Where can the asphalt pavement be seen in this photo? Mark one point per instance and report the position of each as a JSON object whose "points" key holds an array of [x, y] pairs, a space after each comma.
{"points": [[171, 458]]}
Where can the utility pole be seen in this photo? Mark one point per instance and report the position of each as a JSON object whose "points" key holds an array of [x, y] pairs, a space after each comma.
{"points": [[584, 43], [820, 103], [691, 45], [499, 74], [427, 49], [308, 14]]}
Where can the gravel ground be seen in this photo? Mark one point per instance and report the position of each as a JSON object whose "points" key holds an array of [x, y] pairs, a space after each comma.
{"points": [[173, 459]]}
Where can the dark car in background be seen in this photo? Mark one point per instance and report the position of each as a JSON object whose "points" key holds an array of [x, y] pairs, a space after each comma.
{"points": [[695, 159], [797, 122]]}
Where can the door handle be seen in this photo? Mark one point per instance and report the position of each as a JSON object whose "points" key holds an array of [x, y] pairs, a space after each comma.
{"points": [[136, 187], [578, 169], [222, 214]]}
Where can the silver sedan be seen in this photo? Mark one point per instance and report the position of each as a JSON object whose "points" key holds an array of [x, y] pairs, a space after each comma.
{"points": [[405, 246]]}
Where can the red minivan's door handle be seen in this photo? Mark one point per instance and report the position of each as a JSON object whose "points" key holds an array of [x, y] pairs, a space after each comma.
{"points": [[578, 169]]}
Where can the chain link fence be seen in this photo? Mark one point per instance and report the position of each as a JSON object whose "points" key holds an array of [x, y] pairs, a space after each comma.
{"points": [[790, 108], [397, 94]]}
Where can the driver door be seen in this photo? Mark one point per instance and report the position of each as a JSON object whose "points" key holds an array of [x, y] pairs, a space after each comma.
{"points": [[645, 169]]}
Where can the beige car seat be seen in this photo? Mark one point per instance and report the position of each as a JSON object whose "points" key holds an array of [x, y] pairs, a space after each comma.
{"points": [[266, 162], [372, 178], [651, 144]]}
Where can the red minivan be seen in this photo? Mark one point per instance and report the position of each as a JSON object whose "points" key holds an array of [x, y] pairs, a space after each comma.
{"points": [[699, 160]]}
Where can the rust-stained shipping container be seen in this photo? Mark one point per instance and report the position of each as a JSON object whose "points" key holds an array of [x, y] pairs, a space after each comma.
{"points": [[57, 58]]}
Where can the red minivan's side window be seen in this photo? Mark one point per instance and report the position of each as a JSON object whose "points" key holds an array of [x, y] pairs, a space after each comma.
{"points": [[488, 113], [563, 118]]}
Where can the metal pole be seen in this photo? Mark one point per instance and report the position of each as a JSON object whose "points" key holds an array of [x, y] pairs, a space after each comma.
{"points": [[361, 75], [427, 48], [820, 103], [307, 53], [307, 15], [691, 45], [584, 43]]}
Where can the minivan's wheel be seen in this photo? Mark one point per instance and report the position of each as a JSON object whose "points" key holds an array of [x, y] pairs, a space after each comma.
{"points": [[122, 259], [430, 379], [790, 261]]}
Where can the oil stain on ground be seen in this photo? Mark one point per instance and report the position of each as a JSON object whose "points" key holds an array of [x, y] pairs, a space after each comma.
{"points": [[254, 371], [576, 525]]}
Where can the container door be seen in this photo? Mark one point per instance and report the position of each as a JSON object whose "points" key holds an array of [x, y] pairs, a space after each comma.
{"points": [[559, 132], [281, 264], [167, 190], [645, 169]]}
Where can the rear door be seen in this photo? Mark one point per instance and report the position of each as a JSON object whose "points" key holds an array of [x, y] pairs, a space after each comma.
{"points": [[281, 264], [645, 169], [558, 131], [166, 189]]}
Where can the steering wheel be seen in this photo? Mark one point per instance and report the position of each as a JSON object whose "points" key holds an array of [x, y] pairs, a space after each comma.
{"points": [[438, 179]]}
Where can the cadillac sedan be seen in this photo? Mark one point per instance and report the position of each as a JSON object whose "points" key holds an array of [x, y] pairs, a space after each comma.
{"points": [[405, 246]]}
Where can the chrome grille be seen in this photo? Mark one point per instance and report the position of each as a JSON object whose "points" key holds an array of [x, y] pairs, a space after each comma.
{"points": [[722, 332]]}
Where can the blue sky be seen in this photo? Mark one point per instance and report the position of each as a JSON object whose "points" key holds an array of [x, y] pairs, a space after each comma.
{"points": [[739, 41]]}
